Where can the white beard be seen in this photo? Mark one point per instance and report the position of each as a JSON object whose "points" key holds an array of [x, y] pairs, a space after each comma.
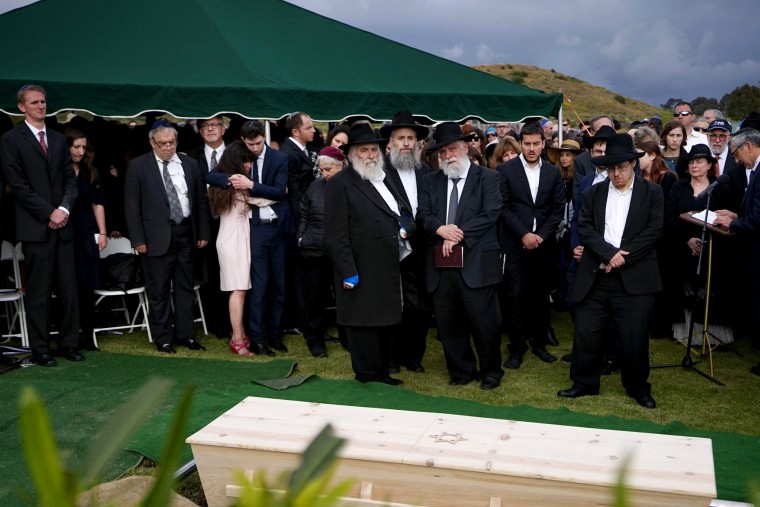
{"points": [[371, 170], [406, 162], [456, 167]]}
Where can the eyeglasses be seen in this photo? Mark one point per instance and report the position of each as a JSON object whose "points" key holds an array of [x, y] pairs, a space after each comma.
{"points": [[721, 137], [617, 168], [733, 153], [565, 124], [682, 113], [211, 126], [165, 144]]}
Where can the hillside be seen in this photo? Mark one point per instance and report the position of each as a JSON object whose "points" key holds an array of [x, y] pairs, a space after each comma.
{"points": [[586, 98]]}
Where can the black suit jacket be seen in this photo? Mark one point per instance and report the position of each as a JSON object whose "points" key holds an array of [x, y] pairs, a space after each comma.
{"points": [[300, 173], [477, 217], [39, 183], [519, 210], [361, 237], [747, 225], [199, 155], [737, 181], [146, 205], [643, 227]]}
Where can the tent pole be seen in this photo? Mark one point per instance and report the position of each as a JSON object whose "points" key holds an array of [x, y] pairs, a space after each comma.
{"points": [[267, 132], [559, 119]]}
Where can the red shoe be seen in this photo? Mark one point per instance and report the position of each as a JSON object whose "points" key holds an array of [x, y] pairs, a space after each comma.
{"points": [[240, 349]]}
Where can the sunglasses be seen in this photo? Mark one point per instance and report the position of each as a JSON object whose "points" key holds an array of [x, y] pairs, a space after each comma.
{"points": [[682, 113], [491, 134], [476, 138], [700, 129]]}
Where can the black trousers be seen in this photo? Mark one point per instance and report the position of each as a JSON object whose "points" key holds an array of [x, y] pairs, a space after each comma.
{"points": [[526, 307], [267, 294], [370, 351], [50, 268], [315, 277], [462, 311], [607, 303], [175, 267], [410, 337]]}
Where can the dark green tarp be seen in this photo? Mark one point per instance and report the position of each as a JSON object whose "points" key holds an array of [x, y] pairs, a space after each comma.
{"points": [[261, 58]]}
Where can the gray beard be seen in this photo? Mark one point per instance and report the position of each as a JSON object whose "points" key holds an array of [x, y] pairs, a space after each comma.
{"points": [[455, 168], [370, 170], [406, 162]]}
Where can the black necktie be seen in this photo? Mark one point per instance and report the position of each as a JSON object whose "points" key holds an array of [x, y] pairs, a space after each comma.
{"points": [[255, 170], [214, 162], [453, 201]]}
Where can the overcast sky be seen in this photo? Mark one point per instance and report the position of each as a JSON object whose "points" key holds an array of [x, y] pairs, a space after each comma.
{"points": [[645, 49], [648, 50]]}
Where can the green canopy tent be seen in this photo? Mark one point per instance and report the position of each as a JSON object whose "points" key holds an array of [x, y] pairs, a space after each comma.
{"points": [[262, 59]]}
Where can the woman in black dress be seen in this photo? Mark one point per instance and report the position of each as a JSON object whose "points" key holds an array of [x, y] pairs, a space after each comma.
{"points": [[684, 237], [88, 219]]}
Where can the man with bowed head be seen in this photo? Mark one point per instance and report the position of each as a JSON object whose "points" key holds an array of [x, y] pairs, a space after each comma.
{"points": [[459, 209], [366, 229], [619, 225]]}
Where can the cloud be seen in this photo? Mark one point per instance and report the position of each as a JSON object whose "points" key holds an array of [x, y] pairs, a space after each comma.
{"points": [[454, 53], [485, 54]]}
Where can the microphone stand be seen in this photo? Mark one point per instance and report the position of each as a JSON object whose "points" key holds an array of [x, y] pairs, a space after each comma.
{"points": [[687, 362]]}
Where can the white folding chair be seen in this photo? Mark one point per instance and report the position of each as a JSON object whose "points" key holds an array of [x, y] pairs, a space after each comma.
{"points": [[123, 245], [14, 298]]}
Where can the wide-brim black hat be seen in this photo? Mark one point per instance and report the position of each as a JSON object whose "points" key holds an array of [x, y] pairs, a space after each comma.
{"points": [[700, 151], [604, 132], [449, 132], [361, 133], [619, 149], [404, 119]]}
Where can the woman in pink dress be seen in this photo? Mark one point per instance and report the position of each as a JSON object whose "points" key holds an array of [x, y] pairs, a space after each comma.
{"points": [[233, 244]]}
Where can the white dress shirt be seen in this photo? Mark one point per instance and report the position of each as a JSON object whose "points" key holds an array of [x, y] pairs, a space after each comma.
{"points": [[177, 174], [616, 213], [265, 212], [208, 150], [534, 177], [409, 180], [460, 187]]}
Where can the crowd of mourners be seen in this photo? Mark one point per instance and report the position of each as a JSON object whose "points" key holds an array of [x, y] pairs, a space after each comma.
{"points": [[473, 230]]}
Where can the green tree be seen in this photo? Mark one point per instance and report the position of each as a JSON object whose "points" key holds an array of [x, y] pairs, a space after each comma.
{"points": [[742, 101]]}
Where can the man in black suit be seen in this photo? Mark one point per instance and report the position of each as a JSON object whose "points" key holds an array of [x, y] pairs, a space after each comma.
{"points": [[167, 218], [272, 227], [37, 166], [405, 171], [301, 166], [619, 225], [533, 205], [745, 147], [459, 211], [207, 263], [366, 229]]}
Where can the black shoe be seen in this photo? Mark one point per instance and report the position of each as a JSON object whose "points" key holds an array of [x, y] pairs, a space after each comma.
{"points": [[415, 367], [576, 392], [551, 337], [544, 356], [69, 353], [513, 362], [261, 350], [755, 370], [489, 383], [460, 381], [393, 368], [278, 345], [44, 359], [318, 352], [610, 368], [567, 358], [166, 348], [293, 330], [331, 339], [392, 381], [194, 344], [646, 401]]}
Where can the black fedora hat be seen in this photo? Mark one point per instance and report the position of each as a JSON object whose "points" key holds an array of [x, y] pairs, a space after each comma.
{"points": [[404, 119], [619, 149], [604, 132], [448, 132], [700, 151], [361, 133]]}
